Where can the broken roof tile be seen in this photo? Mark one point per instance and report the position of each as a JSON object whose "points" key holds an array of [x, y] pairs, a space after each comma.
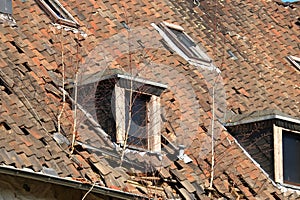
{"points": [[260, 38]]}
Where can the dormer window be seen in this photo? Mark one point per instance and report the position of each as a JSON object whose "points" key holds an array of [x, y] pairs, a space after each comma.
{"points": [[58, 13], [128, 109], [287, 156], [273, 140], [181, 43]]}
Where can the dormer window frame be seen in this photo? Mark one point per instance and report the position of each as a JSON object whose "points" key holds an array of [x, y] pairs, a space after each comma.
{"points": [[279, 156], [54, 9], [152, 90], [272, 131]]}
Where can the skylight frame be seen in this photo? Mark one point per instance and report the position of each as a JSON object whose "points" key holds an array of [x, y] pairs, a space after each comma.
{"points": [[278, 134], [165, 30], [65, 19], [295, 61]]}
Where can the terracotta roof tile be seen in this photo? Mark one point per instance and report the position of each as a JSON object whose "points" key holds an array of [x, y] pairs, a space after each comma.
{"points": [[260, 35]]}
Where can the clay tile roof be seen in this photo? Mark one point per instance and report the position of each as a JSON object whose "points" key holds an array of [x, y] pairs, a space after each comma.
{"points": [[247, 41]]}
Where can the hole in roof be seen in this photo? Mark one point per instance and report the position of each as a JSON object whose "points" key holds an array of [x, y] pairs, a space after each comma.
{"points": [[204, 128], [25, 64], [43, 140], [4, 87], [276, 197], [236, 90], [17, 47], [24, 130], [5, 125], [167, 130], [51, 41], [246, 185]]}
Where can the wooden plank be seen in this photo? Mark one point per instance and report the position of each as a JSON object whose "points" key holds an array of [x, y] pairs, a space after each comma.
{"points": [[278, 158]]}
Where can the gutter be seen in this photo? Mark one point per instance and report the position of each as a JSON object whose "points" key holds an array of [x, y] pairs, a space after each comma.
{"points": [[8, 170]]}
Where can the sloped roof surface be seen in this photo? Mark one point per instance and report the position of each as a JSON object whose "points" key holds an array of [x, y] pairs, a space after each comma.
{"points": [[34, 51]]}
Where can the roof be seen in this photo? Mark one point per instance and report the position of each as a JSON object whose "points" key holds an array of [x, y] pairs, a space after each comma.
{"points": [[34, 51]]}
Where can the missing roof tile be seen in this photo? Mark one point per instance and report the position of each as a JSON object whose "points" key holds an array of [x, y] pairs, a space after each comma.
{"points": [[25, 64], [275, 196], [4, 125], [24, 130], [17, 47], [246, 185], [43, 140], [4, 87]]}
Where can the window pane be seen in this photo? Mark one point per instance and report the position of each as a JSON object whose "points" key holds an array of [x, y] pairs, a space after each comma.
{"points": [[291, 157], [183, 38], [137, 135], [55, 8]]}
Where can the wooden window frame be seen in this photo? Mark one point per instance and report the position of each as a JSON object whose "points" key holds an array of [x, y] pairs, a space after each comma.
{"points": [[278, 155], [68, 20], [153, 127]]}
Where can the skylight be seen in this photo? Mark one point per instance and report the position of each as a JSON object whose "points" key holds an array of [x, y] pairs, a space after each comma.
{"points": [[182, 44], [295, 61], [58, 13]]}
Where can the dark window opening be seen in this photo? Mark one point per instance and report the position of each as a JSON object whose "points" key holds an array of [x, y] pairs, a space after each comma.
{"points": [[137, 134], [291, 157]]}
